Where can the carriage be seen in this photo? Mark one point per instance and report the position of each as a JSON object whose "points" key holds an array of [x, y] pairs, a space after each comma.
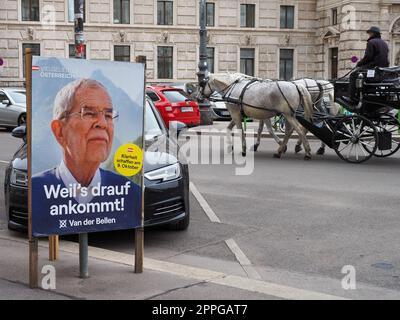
{"points": [[370, 127]]}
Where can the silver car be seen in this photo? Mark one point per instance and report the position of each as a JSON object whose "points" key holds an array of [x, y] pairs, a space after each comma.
{"points": [[12, 107]]}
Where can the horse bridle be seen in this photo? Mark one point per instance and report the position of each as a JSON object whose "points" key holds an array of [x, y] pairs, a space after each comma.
{"points": [[223, 92]]}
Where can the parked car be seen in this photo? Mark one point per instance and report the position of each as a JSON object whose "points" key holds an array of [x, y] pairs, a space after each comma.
{"points": [[166, 180], [205, 105], [174, 105], [219, 110], [12, 107]]}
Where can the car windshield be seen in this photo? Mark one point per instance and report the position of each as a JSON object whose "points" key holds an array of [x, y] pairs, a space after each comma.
{"points": [[174, 96], [152, 127], [18, 96]]}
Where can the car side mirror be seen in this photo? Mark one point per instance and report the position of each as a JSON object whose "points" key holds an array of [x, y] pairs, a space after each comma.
{"points": [[19, 132], [6, 102]]}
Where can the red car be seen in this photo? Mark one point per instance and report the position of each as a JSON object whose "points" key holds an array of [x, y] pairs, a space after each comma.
{"points": [[174, 105]]}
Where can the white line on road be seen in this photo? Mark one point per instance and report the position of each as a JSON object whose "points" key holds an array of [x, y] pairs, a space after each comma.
{"points": [[242, 259], [4, 162], [252, 285], [203, 203]]}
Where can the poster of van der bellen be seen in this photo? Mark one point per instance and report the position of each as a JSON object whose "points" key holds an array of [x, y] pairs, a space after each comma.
{"points": [[86, 150]]}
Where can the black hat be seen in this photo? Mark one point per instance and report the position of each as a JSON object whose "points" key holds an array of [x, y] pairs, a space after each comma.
{"points": [[374, 29]]}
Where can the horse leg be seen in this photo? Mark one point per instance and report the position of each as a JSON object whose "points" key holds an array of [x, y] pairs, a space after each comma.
{"points": [[299, 129], [298, 147], [283, 146], [229, 136], [271, 131], [259, 133], [237, 118], [321, 150]]}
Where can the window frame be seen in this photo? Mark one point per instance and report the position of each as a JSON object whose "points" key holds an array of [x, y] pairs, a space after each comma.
{"points": [[120, 46], [246, 60], [286, 25], [285, 67], [165, 62], [121, 15], [212, 4], [247, 24], [213, 59], [22, 48], [30, 10], [164, 10], [335, 16]]}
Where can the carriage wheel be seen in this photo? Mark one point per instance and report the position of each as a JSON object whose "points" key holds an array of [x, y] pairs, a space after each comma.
{"points": [[387, 124], [355, 139]]}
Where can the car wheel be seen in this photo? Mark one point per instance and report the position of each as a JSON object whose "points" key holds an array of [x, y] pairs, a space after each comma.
{"points": [[181, 225], [22, 119]]}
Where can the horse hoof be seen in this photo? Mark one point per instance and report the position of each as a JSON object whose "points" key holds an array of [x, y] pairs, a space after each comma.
{"points": [[298, 148], [254, 148], [243, 154], [277, 155], [307, 157], [321, 151]]}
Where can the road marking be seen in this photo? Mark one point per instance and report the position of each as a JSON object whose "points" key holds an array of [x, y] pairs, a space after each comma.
{"points": [[203, 203], [4, 162], [215, 277], [242, 259]]}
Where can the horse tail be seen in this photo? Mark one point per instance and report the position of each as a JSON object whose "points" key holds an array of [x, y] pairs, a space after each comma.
{"points": [[306, 101]]}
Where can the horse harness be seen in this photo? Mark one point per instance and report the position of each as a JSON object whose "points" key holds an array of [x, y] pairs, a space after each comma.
{"points": [[239, 101]]}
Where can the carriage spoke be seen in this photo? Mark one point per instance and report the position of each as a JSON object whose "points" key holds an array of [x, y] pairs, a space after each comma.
{"points": [[351, 149], [362, 149], [344, 148], [344, 134]]}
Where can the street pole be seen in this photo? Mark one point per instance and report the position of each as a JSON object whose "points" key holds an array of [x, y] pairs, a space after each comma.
{"points": [[203, 67], [79, 54]]}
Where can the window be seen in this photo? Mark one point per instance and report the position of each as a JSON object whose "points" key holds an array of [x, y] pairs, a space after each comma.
{"points": [[210, 9], [35, 49], [286, 64], [30, 10], [121, 11], [247, 61], [175, 96], [333, 53], [71, 11], [287, 17], [71, 51], [248, 15], [122, 53], [165, 12], [334, 16], [210, 59], [164, 62], [152, 95]]}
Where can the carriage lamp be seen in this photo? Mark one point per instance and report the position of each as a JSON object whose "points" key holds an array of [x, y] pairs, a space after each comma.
{"points": [[360, 81]]}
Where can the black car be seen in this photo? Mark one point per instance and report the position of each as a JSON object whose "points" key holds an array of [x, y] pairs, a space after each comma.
{"points": [[166, 180]]}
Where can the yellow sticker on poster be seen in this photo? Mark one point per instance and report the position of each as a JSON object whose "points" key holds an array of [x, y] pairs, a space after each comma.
{"points": [[128, 160]]}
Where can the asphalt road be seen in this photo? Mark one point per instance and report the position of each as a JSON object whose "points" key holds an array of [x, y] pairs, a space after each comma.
{"points": [[297, 223]]}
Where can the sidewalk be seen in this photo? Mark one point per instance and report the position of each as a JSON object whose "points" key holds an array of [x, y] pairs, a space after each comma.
{"points": [[111, 276]]}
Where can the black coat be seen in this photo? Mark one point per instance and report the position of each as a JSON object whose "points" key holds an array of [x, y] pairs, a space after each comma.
{"points": [[376, 54]]}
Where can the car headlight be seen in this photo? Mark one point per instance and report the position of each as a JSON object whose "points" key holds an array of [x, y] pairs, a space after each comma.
{"points": [[19, 178], [165, 174]]}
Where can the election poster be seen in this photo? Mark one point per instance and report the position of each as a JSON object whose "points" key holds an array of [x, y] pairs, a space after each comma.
{"points": [[86, 146]]}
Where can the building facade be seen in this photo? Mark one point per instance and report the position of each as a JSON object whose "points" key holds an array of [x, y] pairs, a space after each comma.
{"points": [[276, 39]]}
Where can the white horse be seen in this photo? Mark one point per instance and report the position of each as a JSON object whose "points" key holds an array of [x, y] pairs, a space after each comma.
{"points": [[260, 99], [318, 89]]}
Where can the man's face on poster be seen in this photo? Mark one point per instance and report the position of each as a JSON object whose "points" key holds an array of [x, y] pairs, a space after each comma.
{"points": [[86, 133]]}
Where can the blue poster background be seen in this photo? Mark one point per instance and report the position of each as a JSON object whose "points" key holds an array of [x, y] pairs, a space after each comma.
{"points": [[108, 211]]}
